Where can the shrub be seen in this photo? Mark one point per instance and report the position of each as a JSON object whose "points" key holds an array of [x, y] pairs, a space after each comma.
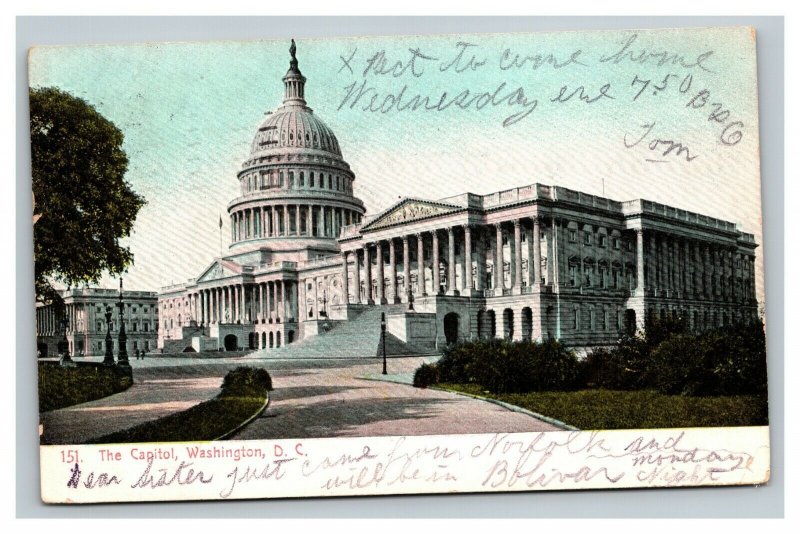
{"points": [[506, 367], [624, 366], [426, 375], [244, 381], [726, 361]]}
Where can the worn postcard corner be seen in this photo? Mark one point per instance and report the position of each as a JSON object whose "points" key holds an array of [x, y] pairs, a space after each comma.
{"points": [[398, 265]]}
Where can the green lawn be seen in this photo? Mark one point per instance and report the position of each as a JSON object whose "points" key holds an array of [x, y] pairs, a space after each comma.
{"points": [[600, 409]]}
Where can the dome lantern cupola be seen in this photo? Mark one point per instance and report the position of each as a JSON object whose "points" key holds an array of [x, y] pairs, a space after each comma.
{"points": [[294, 82]]}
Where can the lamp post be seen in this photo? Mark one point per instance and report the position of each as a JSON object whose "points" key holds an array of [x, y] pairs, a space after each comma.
{"points": [[410, 300], [324, 303], [383, 339], [122, 340], [109, 357]]}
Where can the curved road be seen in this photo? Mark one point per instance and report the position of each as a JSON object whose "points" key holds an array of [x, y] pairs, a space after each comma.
{"points": [[311, 399]]}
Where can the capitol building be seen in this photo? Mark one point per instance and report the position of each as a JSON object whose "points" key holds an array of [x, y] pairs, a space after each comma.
{"points": [[534, 262]]}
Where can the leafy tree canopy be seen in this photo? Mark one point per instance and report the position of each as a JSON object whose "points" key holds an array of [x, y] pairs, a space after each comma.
{"points": [[85, 204]]}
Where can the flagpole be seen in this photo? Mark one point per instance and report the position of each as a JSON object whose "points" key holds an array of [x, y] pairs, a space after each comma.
{"points": [[220, 236]]}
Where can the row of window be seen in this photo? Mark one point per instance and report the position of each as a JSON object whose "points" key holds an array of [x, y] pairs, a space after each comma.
{"points": [[132, 326], [602, 240], [313, 180]]}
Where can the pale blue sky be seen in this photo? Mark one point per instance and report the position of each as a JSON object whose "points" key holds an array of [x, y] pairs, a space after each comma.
{"points": [[189, 112]]}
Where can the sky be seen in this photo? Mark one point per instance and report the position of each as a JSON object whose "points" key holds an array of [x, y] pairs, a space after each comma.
{"points": [[429, 117]]}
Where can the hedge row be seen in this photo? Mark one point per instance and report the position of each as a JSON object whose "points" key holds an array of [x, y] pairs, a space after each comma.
{"points": [[505, 367], [726, 361], [60, 387]]}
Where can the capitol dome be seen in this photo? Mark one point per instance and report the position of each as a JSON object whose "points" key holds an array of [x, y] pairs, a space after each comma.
{"points": [[296, 188], [294, 127]]}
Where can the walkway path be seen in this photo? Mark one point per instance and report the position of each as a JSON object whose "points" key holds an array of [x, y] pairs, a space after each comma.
{"points": [[311, 402], [312, 398]]}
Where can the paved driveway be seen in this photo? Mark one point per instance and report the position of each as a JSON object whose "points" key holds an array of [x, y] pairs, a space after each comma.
{"points": [[312, 398], [312, 402]]}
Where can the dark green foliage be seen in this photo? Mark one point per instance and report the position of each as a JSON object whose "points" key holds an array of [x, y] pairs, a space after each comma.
{"points": [[727, 361], [600, 409], [244, 391], [503, 366], [246, 380], [60, 387], [85, 204], [623, 367], [426, 375]]}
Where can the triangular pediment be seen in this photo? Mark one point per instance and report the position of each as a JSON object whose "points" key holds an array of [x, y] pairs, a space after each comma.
{"points": [[407, 210], [220, 269]]}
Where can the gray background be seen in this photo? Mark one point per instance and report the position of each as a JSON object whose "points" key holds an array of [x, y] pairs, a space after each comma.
{"points": [[766, 501]]}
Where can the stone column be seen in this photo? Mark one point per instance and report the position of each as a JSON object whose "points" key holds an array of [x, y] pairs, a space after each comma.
{"points": [[707, 289], [345, 281], [393, 272], [321, 222], [284, 315], [652, 265], [274, 216], [368, 275], [241, 303], [641, 283], [467, 285], [379, 274], [688, 268], [436, 281], [548, 237], [309, 221], [677, 267], [451, 262], [315, 296], [498, 259], [665, 278], [537, 254], [516, 261], [356, 279], [269, 302], [420, 266], [260, 308], [406, 269]]}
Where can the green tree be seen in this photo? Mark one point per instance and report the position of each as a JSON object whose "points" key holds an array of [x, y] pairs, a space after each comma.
{"points": [[84, 203]]}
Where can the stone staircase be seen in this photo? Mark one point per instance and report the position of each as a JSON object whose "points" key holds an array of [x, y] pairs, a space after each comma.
{"points": [[357, 338]]}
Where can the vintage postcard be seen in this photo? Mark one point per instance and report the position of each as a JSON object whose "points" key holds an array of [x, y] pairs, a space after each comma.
{"points": [[392, 265]]}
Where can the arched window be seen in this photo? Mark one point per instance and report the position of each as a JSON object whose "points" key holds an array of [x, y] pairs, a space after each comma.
{"points": [[291, 179], [311, 180], [302, 180]]}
